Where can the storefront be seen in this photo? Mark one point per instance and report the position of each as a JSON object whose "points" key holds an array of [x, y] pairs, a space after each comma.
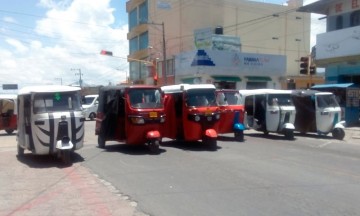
{"points": [[230, 69]]}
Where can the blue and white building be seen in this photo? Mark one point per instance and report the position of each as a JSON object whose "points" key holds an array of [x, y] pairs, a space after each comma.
{"points": [[338, 49]]}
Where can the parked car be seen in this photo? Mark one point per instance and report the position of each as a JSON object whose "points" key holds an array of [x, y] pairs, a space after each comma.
{"points": [[90, 105]]}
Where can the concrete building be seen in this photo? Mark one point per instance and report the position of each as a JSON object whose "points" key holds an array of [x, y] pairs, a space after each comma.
{"points": [[338, 50], [232, 43]]}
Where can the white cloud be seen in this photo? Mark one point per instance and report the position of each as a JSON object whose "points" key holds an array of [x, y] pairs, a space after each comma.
{"points": [[21, 48], [71, 35], [9, 19]]}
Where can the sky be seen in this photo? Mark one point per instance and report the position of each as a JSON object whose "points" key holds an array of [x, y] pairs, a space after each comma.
{"points": [[53, 41]]}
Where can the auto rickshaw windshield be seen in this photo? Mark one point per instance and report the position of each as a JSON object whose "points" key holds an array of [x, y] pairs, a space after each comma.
{"points": [[232, 98], [324, 101], [145, 98], [201, 97], [56, 102], [280, 99]]}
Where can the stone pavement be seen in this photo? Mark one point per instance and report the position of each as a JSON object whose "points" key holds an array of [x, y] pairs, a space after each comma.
{"points": [[41, 186], [352, 134]]}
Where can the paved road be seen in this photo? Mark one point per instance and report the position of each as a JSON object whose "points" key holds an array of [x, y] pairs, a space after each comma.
{"points": [[261, 176]]}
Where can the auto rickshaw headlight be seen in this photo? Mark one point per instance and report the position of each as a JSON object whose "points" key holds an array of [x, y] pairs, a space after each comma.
{"points": [[197, 118], [217, 116], [162, 119], [137, 120], [209, 118]]}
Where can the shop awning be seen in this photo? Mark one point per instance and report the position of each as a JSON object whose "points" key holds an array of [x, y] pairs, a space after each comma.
{"points": [[335, 85], [227, 78], [191, 80], [259, 78]]}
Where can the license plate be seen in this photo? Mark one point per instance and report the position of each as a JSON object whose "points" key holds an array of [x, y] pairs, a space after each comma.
{"points": [[153, 114], [208, 112]]}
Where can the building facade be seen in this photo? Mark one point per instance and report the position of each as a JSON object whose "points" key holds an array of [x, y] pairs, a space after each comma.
{"points": [[338, 50], [252, 44]]}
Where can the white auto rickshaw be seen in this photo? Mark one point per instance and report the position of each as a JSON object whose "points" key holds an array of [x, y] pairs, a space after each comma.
{"points": [[269, 110], [318, 112], [50, 121]]}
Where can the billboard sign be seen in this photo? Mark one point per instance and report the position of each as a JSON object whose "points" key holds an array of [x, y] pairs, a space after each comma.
{"points": [[10, 86]]}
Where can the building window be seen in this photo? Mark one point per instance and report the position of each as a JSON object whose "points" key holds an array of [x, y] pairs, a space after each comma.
{"points": [[134, 70], [339, 22], [133, 19], [170, 67], [144, 41], [143, 12], [159, 68], [355, 18], [133, 47]]}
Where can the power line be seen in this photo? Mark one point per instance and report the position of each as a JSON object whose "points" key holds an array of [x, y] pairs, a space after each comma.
{"points": [[63, 20]]}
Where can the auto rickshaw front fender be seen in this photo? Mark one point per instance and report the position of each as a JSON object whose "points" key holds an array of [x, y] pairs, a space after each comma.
{"points": [[153, 135], [60, 144], [288, 126], [239, 127], [211, 133], [339, 125]]}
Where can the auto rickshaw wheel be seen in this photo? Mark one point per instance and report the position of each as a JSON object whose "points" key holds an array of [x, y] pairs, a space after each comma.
{"points": [[289, 134], [154, 146], [66, 157], [92, 116], [20, 151], [101, 142], [338, 133], [239, 135], [211, 143], [9, 131]]}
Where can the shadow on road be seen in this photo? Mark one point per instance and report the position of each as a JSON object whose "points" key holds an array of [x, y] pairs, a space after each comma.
{"points": [[313, 135], [229, 139], [188, 146], [131, 149], [47, 161], [272, 136], [6, 134]]}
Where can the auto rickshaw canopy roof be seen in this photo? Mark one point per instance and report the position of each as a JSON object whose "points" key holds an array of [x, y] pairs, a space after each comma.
{"points": [[247, 92], [185, 87], [47, 88], [334, 85], [307, 93]]}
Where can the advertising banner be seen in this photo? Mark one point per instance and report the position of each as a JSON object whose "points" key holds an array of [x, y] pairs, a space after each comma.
{"points": [[230, 63]]}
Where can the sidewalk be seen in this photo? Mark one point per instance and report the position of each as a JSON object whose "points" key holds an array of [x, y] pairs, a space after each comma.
{"points": [[352, 133], [40, 186]]}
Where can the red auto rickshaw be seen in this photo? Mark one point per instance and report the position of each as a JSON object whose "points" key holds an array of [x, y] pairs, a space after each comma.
{"points": [[130, 114], [8, 113], [232, 113], [191, 113]]}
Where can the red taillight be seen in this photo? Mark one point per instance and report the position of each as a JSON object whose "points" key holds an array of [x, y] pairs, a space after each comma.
{"points": [[99, 118], [100, 115]]}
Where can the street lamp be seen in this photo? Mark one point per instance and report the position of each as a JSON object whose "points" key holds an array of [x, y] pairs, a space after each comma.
{"points": [[109, 53]]}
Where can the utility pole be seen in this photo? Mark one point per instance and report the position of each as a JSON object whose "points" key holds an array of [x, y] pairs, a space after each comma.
{"points": [[78, 74], [164, 54], [59, 79], [164, 66]]}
